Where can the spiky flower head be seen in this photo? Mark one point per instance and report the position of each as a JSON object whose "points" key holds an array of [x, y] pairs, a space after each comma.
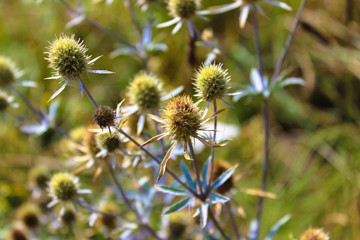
{"points": [[29, 214], [67, 56], [39, 176], [4, 101], [109, 142], [104, 116], [219, 168], [314, 234], [182, 8], [90, 143], [182, 118], [211, 82], [145, 91], [63, 186], [7, 72], [68, 217], [109, 221]]}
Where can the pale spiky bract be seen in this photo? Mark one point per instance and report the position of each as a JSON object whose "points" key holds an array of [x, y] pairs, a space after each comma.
{"points": [[182, 118], [7, 72], [68, 58], [182, 8], [4, 102], [314, 234], [145, 91], [63, 187], [211, 82]]}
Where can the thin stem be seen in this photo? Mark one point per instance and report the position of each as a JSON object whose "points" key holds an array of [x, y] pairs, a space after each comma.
{"points": [[265, 165], [232, 220], [288, 43], [94, 210], [151, 231], [257, 43], [158, 131], [196, 168], [217, 225], [212, 149], [159, 162], [122, 192], [98, 26], [89, 94]]}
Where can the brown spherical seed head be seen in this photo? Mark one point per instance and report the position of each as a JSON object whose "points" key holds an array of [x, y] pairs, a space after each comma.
{"points": [[182, 118], [182, 8], [104, 116], [112, 143]]}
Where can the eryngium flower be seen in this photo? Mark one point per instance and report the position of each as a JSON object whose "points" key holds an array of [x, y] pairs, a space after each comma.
{"points": [[68, 217], [145, 92], [314, 234], [7, 72], [29, 214], [104, 116], [182, 8], [211, 82], [4, 103], [63, 186]]}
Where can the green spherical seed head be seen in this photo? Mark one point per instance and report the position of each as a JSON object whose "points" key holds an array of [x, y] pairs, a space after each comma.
{"points": [[145, 92], [211, 82], [68, 57], [39, 176], [182, 118], [112, 143], [104, 116], [7, 72], [29, 215], [182, 8], [63, 186], [68, 217], [4, 102]]}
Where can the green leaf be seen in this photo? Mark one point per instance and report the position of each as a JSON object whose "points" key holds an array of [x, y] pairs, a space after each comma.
{"points": [[177, 206], [170, 190], [223, 178]]}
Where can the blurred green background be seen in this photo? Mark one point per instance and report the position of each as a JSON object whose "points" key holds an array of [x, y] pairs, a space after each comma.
{"points": [[315, 134]]}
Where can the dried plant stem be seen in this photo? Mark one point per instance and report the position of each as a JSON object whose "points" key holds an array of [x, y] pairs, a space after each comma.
{"points": [[196, 169], [288, 43], [212, 150], [232, 220]]}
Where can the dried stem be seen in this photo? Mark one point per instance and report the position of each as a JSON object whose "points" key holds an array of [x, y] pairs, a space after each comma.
{"points": [[196, 169], [232, 220], [89, 94]]}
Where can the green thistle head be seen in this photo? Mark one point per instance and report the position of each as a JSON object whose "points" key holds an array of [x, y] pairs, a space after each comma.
{"points": [[211, 82], [4, 101], [29, 215], [107, 220], [104, 116], [314, 234], [39, 176], [68, 58], [110, 143], [7, 72], [68, 217], [63, 186], [182, 118], [145, 91], [182, 8]]}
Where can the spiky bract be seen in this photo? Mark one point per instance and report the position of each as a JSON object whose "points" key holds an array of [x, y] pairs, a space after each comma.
{"points": [[182, 118], [314, 234], [63, 186], [211, 82], [182, 8], [104, 116], [7, 72], [68, 58], [145, 91]]}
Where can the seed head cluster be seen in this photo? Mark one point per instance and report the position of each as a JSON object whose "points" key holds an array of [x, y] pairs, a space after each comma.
{"points": [[182, 8], [145, 92], [182, 118], [104, 116], [63, 186], [314, 234], [4, 102], [68, 57], [211, 82], [7, 72]]}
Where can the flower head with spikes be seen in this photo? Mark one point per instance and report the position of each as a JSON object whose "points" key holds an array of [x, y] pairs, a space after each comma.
{"points": [[181, 121], [67, 56], [246, 6]]}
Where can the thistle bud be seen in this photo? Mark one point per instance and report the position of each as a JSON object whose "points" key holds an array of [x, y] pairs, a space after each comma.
{"points": [[110, 143], [145, 92], [182, 8], [29, 215], [39, 176], [68, 58], [104, 116], [314, 234], [63, 186], [68, 217], [4, 101], [108, 221], [182, 118], [211, 82], [7, 72]]}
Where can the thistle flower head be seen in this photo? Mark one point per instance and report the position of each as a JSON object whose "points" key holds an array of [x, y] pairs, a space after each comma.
{"points": [[4, 101], [211, 82], [145, 91], [182, 118], [219, 168], [29, 215], [182, 8], [7, 72], [108, 221], [39, 176], [109, 142], [63, 186], [68, 217], [68, 58], [104, 116], [314, 234]]}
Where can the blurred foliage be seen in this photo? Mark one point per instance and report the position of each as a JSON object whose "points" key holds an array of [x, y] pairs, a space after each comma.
{"points": [[315, 135]]}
